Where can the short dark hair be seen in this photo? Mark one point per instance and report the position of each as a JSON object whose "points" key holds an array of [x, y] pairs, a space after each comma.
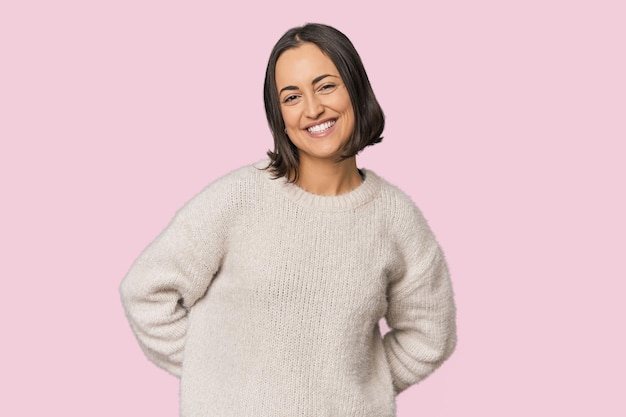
{"points": [[368, 116]]}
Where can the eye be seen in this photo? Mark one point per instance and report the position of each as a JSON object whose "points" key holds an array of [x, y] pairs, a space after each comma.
{"points": [[327, 87], [290, 98]]}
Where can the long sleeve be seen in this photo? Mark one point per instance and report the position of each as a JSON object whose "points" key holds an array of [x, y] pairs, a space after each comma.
{"points": [[170, 275], [421, 311]]}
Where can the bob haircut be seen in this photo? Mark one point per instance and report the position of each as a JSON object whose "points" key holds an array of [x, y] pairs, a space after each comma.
{"points": [[368, 115]]}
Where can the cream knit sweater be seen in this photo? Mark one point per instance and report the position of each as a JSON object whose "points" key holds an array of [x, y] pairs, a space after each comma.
{"points": [[266, 299]]}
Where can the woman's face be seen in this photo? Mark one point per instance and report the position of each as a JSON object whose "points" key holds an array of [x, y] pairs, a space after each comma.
{"points": [[314, 102]]}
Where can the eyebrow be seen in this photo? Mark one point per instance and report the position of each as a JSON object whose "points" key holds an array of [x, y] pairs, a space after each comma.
{"points": [[315, 81]]}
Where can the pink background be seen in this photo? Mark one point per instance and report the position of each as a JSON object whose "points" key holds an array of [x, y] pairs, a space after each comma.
{"points": [[506, 122]]}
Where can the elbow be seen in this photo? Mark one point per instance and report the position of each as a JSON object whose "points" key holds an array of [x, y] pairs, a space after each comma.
{"points": [[448, 346], [447, 340], [126, 293], [438, 350]]}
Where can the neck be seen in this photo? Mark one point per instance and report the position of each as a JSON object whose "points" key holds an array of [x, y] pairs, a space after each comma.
{"points": [[328, 177]]}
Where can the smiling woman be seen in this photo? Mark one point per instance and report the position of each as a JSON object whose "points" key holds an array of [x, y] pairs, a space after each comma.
{"points": [[313, 72], [265, 292], [318, 116]]}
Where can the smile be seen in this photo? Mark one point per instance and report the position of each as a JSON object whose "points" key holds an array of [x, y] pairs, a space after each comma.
{"points": [[322, 127]]}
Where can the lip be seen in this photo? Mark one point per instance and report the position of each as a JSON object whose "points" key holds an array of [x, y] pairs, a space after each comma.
{"points": [[319, 122]]}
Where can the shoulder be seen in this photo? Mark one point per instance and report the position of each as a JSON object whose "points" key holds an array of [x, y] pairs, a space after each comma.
{"points": [[242, 178], [225, 193], [408, 228], [396, 200], [236, 178], [404, 218]]}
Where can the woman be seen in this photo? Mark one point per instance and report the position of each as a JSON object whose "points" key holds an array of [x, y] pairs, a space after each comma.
{"points": [[265, 292]]}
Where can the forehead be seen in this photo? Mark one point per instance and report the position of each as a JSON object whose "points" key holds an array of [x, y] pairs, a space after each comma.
{"points": [[302, 64]]}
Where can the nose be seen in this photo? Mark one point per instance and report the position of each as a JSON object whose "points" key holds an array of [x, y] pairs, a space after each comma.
{"points": [[313, 107]]}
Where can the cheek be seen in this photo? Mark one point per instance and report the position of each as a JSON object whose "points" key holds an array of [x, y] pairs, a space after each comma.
{"points": [[348, 113], [290, 118], [343, 104]]}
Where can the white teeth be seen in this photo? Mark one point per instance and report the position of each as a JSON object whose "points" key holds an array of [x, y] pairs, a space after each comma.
{"points": [[321, 127]]}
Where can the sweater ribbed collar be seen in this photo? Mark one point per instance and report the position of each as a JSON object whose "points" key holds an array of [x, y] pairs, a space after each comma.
{"points": [[357, 197]]}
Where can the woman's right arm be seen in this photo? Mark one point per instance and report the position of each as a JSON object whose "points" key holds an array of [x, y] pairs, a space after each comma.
{"points": [[170, 275]]}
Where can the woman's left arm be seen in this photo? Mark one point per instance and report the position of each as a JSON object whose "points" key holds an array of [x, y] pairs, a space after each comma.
{"points": [[421, 310]]}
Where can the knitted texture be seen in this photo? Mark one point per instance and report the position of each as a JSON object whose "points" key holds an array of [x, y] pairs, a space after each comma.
{"points": [[266, 299]]}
